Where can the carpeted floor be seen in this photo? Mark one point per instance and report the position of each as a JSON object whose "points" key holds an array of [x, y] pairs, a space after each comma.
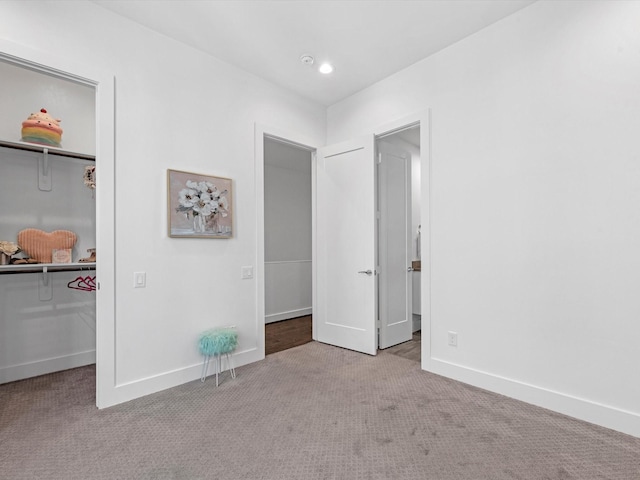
{"points": [[311, 412]]}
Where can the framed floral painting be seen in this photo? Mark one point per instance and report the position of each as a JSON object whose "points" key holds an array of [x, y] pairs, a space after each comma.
{"points": [[199, 205]]}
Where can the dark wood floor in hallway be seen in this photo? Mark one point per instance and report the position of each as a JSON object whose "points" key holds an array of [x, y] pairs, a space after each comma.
{"points": [[287, 334], [410, 350]]}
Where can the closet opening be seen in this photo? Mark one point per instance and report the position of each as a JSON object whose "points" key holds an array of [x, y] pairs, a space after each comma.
{"points": [[48, 279]]}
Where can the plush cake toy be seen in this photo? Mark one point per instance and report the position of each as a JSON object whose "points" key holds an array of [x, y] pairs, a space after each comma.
{"points": [[43, 129]]}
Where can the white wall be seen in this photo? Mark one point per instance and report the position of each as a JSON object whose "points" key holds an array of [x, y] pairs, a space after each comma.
{"points": [[534, 193], [181, 109], [287, 225]]}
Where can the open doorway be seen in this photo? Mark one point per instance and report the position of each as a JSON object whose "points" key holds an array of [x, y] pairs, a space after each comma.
{"points": [[344, 250], [399, 229], [288, 244]]}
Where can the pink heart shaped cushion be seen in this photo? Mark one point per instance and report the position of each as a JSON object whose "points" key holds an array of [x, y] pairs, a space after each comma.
{"points": [[38, 243]]}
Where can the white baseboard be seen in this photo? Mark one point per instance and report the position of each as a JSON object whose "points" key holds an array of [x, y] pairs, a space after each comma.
{"points": [[49, 365], [125, 391], [416, 322], [276, 317], [582, 409]]}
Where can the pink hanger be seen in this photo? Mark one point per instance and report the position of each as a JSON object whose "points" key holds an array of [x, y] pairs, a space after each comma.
{"points": [[86, 284]]}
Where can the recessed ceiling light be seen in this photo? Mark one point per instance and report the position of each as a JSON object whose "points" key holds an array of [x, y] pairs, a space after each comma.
{"points": [[326, 68]]}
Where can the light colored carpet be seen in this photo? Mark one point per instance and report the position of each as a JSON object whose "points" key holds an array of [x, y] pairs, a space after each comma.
{"points": [[312, 412]]}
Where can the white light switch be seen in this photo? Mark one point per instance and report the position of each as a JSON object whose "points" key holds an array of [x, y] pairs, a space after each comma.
{"points": [[139, 279], [246, 272]]}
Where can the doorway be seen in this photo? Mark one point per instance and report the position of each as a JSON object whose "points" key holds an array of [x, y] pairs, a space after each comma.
{"points": [[346, 306], [344, 236], [399, 225], [287, 244]]}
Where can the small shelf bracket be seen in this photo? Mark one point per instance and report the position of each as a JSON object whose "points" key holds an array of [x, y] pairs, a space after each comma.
{"points": [[44, 172], [45, 289]]}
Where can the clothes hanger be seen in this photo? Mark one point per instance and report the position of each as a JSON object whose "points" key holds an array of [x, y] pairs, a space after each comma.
{"points": [[80, 284]]}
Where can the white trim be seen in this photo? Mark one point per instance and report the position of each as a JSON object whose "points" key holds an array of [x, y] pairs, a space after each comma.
{"points": [[156, 383], [598, 414], [280, 262], [277, 317], [47, 365], [423, 119], [286, 141], [314, 236], [396, 127]]}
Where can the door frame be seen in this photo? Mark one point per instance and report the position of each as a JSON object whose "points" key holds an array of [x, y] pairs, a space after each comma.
{"points": [[298, 140], [421, 118], [103, 83]]}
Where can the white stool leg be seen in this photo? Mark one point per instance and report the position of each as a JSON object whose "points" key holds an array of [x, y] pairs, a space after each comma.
{"points": [[205, 367], [218, 367], [230, 365]]}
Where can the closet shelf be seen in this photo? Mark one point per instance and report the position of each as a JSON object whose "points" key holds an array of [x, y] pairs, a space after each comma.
{"points": [[31, 147], [48, 267]]}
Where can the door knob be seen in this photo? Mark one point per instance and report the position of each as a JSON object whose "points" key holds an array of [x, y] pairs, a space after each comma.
{"points": [[409, 269], [366, 272]]}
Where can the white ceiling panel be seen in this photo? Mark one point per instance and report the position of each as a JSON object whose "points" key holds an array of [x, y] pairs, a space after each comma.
{"points": [[365, 40]]}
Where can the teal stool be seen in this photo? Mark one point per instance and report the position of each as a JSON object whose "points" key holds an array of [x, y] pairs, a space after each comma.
{"points": [[217, 342]]}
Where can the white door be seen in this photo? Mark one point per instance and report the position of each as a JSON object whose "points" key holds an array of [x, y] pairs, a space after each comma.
{"points": [[345, 304], [395, 253]]}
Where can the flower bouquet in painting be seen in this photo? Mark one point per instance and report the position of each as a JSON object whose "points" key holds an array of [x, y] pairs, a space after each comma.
{"points": [[200, 205], [203, 202]]}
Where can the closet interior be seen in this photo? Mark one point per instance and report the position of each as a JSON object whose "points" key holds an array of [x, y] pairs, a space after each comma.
{"points": [[48, 308]]}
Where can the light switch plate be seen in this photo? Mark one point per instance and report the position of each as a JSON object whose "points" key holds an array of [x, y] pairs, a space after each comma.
{"points": [[139, 279], [246, 272]]}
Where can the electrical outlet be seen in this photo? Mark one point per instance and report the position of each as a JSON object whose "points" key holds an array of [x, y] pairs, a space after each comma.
{"points": [[452, 339]]}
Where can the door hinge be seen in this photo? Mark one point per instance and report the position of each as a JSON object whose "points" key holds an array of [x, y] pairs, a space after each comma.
{"points": [[379, 158]]}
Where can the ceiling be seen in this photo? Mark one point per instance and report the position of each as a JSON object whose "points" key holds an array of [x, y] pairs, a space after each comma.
{"points": [[365, 40]]}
